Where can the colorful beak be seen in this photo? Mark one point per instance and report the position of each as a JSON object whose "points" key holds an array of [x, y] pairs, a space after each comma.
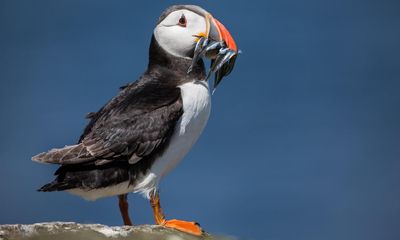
{"points": [[217, 44], [218, 32]]}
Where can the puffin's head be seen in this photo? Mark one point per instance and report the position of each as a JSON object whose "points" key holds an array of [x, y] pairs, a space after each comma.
{"points": [[180, 27], [190, 32]]}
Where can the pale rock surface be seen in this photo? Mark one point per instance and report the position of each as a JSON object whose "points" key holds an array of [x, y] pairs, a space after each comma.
{"points": [[77, 231]]}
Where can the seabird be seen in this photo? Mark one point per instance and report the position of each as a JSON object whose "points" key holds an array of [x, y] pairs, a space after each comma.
{"points": [[150, 125]]}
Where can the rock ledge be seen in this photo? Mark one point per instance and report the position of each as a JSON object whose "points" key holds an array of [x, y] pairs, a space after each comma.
{"points": [[71, 230]]}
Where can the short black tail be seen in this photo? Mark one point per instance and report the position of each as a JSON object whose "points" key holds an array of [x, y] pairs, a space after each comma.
{"points": [[91, 176], [55, 186]]}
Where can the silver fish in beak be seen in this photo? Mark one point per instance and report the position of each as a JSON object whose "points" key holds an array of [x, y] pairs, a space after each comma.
{"points": [[218, 45]]}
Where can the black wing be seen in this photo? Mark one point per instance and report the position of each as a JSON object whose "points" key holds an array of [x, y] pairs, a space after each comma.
{"points": [[136, 123]]}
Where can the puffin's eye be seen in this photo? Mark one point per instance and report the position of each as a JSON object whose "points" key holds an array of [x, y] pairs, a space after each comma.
{"points": [[182, 21]]}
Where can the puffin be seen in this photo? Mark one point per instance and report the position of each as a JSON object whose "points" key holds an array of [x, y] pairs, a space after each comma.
{"points": [[143, 132]]}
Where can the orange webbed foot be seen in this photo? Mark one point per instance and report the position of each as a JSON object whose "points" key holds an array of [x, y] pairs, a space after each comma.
{"points": [[184, 226]]}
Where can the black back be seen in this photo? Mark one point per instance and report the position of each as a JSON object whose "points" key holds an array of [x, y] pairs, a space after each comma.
{"points": [[127, 134]]}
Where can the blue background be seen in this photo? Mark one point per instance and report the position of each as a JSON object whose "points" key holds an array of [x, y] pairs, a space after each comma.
{"points": [[302, 143]]}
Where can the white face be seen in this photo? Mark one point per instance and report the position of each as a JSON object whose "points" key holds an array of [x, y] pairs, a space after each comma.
{"points": [[175, 32]]}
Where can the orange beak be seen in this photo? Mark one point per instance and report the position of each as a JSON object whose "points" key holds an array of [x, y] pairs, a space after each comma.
{"points": [[217, 31], [217, 44]]}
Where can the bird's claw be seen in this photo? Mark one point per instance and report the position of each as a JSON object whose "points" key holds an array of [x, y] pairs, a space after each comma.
{"points": [[222, 58]]}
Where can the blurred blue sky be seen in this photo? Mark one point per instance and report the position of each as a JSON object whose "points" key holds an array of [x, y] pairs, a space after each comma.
{"points": [[302, 143]]}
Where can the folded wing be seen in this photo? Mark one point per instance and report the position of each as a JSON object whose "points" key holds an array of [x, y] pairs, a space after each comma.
{"points": [[136, 123]]}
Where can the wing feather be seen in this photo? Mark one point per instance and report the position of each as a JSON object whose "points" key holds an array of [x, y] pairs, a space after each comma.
{"points": [[133, 125]]}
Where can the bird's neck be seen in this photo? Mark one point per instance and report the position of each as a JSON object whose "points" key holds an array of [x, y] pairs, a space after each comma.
{"points": [[158, 57]]}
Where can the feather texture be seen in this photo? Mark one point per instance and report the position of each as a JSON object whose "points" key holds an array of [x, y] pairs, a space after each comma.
{"points": [[122, 141]]}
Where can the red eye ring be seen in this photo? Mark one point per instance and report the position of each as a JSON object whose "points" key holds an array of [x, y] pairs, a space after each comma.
{"points": [[182, 21]]}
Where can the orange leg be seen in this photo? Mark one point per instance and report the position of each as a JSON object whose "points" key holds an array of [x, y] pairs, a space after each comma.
{"points": [[188, 227], [123, 208]]}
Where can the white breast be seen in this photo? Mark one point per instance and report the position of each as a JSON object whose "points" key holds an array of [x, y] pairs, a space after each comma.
{"points": [[196, 101]]}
